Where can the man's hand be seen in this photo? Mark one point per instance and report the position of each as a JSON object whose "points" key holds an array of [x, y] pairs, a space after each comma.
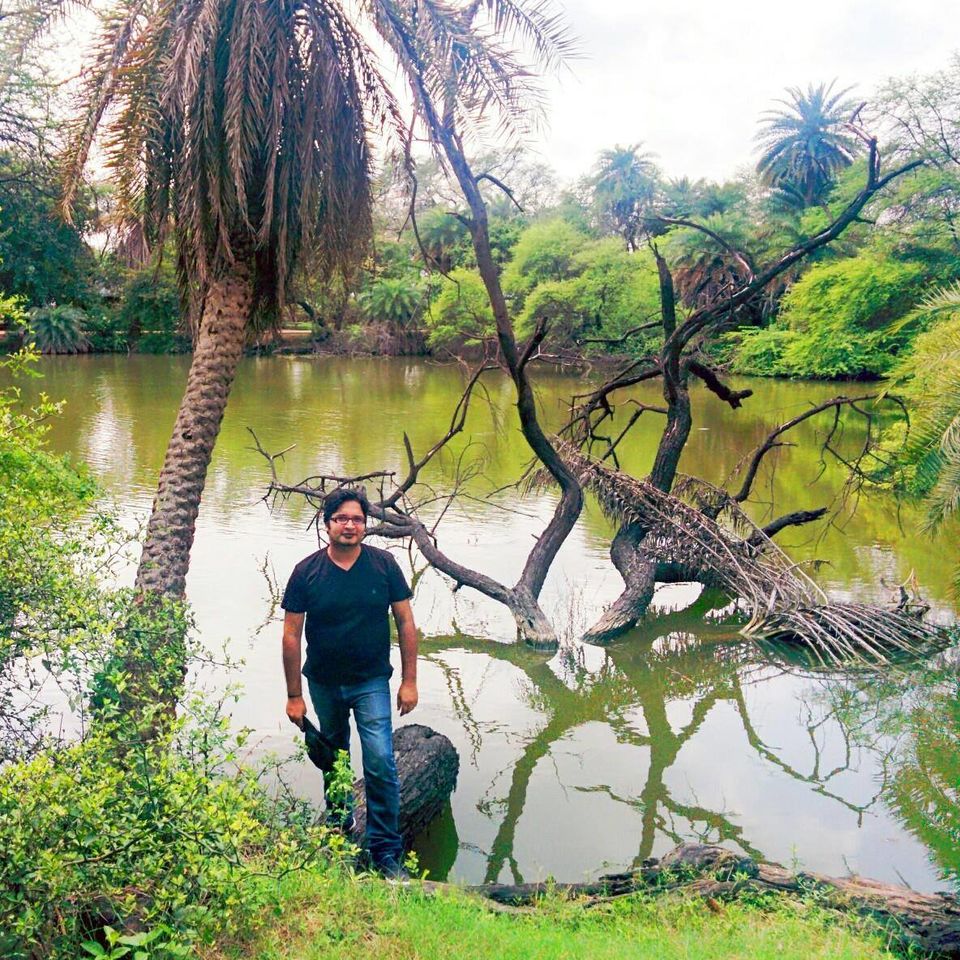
{"points": [[407, 697], [297, 709]]}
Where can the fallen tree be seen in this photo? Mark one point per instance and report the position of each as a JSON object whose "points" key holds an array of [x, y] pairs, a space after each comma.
{"points": [[928, 921]]}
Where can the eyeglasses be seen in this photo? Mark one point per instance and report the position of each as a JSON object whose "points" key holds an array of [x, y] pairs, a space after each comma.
{"points": [[346, 521]]}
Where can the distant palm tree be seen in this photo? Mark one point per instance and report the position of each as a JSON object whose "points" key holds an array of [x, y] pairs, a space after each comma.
{"points": [[243, 124], [624, 185], [805, 145]]}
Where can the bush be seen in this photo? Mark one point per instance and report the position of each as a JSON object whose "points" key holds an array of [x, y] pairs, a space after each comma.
{"points": [[115, 840], [461, 313], [106, 332], [396, 301], [847, 318], [760, 352], [150, 311], [162, 836], [58, 329]]}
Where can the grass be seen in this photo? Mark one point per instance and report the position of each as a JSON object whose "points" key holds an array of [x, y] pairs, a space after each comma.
{"points": [[331, 915]]}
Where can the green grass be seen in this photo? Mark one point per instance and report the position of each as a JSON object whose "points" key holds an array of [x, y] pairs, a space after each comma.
{"points": [[337, 916]]}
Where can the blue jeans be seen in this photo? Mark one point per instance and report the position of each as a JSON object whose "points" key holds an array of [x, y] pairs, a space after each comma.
{"points": [[370, 703]]}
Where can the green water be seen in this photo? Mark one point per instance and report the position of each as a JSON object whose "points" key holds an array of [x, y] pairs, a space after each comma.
{"points": [[592, 759]]}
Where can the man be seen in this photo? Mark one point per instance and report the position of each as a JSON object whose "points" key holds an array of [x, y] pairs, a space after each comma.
{"points": [[343, 592]]}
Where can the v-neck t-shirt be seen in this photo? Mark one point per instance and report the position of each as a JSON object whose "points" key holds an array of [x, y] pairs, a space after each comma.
{"points": [[347, 628]]}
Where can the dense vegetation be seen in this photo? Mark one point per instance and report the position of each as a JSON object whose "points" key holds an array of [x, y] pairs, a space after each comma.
{"points": [[79, 820], [576, 257]]}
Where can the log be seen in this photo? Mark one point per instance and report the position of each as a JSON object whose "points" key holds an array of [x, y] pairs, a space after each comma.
{"points": [[928, 921], [427, 766]]}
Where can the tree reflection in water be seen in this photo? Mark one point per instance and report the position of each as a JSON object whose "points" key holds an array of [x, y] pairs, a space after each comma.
{"points": [[672, 660]]}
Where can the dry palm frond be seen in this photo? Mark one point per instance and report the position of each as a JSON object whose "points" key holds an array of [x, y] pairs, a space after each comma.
{"points": [[782, 600]]}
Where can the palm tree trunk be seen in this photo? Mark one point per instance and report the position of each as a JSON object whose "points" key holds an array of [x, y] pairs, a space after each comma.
{"points": [[219, 347]]}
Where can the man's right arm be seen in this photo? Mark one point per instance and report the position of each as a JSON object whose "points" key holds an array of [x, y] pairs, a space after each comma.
{"points": [[292, 635]]}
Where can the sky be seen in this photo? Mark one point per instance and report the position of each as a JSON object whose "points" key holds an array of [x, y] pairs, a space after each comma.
{"points": [[690, 78]]}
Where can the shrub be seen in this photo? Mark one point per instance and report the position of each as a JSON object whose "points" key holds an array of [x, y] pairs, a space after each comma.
{"points": [[150, 311], [162, 836], [760, 352], [164, 841], [57, 329], [461, 313], [396, 301]]}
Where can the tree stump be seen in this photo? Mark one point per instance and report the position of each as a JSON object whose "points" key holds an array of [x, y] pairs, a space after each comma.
{"points": [[427, 766]]}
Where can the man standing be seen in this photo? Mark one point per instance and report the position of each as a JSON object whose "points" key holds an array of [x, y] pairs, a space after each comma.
{"points": [[344, 592]]}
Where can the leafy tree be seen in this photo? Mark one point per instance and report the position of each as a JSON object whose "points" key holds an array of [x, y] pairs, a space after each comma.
{"points": [[461, 314], [923, 113], [149, 311], [609, 293], [44, 259], [804, 145], [247, 124], [546, 250]]}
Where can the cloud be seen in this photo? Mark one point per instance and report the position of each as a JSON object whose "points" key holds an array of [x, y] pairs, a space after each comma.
{"points": [[691, 81]]}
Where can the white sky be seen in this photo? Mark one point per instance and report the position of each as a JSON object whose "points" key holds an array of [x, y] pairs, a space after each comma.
{"points": [[690, 78]]}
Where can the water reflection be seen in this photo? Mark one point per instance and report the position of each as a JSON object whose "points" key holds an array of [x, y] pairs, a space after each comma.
{"points": [[619, 738]]}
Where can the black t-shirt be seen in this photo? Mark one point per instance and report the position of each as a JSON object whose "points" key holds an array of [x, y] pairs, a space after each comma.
{"points": [[348, 633]]}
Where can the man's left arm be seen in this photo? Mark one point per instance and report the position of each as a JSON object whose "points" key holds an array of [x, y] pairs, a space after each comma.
{"points": [[407, 634]]}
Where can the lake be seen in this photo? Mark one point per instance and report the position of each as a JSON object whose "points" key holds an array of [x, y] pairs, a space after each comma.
{"points": [[590, 759]]}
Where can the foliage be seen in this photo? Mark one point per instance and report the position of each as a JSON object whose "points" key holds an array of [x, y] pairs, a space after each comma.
{"points": [[923, 113], [625, 186], [930, 378], [163, 839], [582, 289], [759, 352], [611, 292], [396, 301], [847, 318], [149, 311], [546, 250], [444, 238], [57, 329], [805, 144], [166, 836], [461, 313], [44, 259], [253, 138], [54, 546]]}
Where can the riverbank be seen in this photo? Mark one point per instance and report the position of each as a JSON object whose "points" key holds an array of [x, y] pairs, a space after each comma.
{"points": [[333, 914]]}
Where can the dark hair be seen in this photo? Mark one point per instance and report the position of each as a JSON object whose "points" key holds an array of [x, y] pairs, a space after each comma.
{"points": [[338, 498]]}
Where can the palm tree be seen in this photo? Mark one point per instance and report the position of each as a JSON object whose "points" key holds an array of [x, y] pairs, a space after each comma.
{"points": [[930, 378], [242, 125], [625, 185], [805, 145]]}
